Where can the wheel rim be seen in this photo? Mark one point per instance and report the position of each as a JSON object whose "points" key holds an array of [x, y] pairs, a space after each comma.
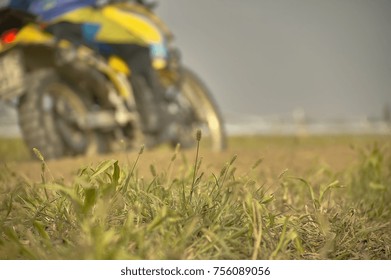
{"points": [[207, 117], [64, 110]]}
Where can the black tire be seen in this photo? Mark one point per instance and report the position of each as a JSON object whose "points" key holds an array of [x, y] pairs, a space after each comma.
{"points": [[55, 135], [208, 117]]}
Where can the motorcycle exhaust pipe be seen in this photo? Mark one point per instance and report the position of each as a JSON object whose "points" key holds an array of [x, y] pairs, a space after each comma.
{"points": [[104, 120]]}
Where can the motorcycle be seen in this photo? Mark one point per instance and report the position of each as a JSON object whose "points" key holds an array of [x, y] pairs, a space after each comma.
{"points": [[72, 101]]}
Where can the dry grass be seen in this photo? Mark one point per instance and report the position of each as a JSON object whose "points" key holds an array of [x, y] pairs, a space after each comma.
{"points": [[332, 202]]}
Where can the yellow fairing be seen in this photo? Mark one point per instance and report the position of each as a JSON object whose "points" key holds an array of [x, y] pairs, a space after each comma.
{"points": [[110, 31], [135, 24], [119, 25], [140, 24], [32, 34]]}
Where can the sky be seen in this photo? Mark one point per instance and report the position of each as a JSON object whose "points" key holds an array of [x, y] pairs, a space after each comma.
{"points": [[328, 58]]}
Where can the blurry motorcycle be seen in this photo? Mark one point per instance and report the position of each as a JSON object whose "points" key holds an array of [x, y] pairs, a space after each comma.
{"points": [[76, 102]]}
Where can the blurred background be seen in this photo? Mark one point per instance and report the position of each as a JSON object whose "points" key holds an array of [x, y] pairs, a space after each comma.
{"points": [[282, 66]]}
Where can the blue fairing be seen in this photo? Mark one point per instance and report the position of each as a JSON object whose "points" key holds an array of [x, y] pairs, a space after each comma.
{"points": [[50, 9], [46, 10], [22, 5]]}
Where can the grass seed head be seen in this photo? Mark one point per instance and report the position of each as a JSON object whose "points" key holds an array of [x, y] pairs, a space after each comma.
{"points": [[257, 163], [141, 149], [153, 170], [233, 159], [38, 154], [223, 170], [198, 135]]}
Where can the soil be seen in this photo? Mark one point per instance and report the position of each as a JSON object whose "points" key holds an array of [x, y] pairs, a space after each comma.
{"points": [[295, 155]]}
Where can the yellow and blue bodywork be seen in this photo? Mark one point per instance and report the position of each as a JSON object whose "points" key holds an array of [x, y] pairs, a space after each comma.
{"points": [[118, 25], [122, 23]]}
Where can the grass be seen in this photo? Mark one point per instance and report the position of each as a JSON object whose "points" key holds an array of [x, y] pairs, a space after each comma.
{"points": [[13, 149], [183, 211]]}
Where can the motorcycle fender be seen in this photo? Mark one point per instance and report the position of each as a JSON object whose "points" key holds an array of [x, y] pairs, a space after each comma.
{"points": [[118, 65]]}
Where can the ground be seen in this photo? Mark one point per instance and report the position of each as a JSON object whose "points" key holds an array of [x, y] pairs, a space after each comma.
{"points": [[298, 155]]}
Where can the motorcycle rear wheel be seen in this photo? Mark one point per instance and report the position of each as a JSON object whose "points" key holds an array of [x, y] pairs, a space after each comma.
{"points": [[208, 117], [48, 114]]}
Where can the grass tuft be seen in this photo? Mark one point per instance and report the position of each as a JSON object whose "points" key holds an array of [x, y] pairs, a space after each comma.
{"points": [[109, 212]]}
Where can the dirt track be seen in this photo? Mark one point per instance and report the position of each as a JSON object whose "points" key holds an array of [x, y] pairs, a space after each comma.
{"points": [[298, 155]]}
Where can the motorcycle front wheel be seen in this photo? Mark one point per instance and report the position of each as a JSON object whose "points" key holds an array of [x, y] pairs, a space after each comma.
{"points": [[48, 117], [207, 116]]}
